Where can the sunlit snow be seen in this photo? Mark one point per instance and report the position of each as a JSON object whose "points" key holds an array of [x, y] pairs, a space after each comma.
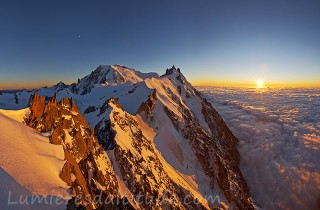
{"points": [[29, 164]]}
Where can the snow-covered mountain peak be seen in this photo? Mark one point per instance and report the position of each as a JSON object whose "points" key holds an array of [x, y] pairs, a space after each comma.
{"points": [[60, 86], [110, 75]]}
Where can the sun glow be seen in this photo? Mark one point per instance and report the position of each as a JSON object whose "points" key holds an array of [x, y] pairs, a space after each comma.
{"points": [[259, 84]]}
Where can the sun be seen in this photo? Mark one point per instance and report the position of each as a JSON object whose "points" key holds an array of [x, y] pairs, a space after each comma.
{"points": [[259, 84]]}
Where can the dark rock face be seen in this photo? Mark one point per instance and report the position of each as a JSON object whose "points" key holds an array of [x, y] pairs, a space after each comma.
{"points": [[103, 129], [105, 134], [229, 157], [16, 99], [93, 78], [221, 146], [89, 110], [148, 105]]}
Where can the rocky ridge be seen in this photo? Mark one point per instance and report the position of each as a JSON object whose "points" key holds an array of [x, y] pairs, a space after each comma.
{"points": [[88, 170]]}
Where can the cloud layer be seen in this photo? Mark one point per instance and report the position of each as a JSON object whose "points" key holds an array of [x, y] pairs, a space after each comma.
{"points": [[279, 133]]}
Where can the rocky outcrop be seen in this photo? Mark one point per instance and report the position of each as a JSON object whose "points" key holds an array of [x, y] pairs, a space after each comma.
{"points": [[171, 70], [147, 106], [37, 109], [88, 170]]}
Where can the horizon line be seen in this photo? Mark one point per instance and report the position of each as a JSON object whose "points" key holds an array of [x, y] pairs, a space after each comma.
{"points": [[32, 86]]}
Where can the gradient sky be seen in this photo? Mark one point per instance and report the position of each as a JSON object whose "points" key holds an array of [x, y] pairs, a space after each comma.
{"points": [[212, 41]]}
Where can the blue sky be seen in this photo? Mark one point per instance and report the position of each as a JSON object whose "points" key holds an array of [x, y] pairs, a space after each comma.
{"points": [[212, 41]]}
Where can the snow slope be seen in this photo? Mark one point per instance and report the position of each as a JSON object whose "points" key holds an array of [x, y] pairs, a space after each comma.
{"points": [[29, 164], [18, 115]]}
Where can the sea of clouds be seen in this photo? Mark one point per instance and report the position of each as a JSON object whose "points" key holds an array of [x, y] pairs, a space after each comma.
{"points": [[279, 133]]}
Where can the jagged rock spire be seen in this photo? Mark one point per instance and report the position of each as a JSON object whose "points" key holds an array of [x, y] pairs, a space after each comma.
{"points": [[53, 100], [172, 70]]}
